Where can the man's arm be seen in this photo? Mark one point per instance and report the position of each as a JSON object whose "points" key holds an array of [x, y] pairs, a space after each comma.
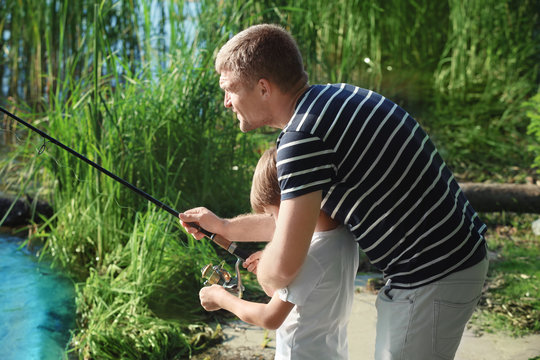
{"points": [[269, 316], [284, 255], [249, 227]]}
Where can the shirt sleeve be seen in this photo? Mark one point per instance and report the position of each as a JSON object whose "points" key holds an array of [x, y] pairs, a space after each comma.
{"points": [[307, 279], [304, 163]]}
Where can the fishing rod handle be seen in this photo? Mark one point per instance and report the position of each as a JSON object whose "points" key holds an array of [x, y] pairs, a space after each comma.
{"points": [[228, 245], [231, 247], [242, 254]]}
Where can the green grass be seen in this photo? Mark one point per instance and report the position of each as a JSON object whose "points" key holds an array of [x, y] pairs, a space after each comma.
{"points": [[141, 304], [511, 303]]}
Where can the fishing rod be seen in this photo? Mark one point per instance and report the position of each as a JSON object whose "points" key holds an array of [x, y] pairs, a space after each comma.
{"points": [[228, 245]]}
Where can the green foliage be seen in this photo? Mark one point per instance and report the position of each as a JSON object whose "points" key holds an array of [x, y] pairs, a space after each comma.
{"points": [[533, 112], [153, 274], [336, 38], [463, 69], [486, 71], [164, 130], [486, 57]]}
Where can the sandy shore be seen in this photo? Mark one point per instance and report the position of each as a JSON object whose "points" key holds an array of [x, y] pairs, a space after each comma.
{"points": [[246, 342]]}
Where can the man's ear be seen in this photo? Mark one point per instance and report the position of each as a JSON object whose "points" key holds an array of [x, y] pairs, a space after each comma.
{"points": [[265, 87]]}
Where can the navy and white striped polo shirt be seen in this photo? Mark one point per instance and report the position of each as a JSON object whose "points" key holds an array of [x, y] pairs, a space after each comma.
{"points": [[381, 175]]}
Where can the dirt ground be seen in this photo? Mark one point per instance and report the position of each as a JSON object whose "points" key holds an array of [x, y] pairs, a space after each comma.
{"points": [[246, 342]]}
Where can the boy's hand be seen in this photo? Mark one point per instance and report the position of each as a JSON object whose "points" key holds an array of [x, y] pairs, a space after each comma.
{"points": [[252, 261], [210, 295]]}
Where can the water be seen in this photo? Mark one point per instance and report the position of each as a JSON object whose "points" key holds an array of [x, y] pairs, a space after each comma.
{"points": [[362, 278], [37, 306]]}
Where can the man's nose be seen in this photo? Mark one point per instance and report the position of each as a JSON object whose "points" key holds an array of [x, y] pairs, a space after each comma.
{"points": [[227, 100]]}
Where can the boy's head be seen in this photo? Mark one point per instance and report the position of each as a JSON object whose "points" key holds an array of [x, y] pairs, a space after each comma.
{"points": [[265, 191]]}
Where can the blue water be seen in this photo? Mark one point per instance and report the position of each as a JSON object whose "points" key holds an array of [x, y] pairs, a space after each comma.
{"points": [[37, 306]]}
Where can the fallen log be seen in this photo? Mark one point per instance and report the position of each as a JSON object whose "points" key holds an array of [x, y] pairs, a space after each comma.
{"points": [[519, 198], [23, 212]]}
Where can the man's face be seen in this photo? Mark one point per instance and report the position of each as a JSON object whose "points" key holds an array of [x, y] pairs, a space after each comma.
{"points": [[246, 103]]}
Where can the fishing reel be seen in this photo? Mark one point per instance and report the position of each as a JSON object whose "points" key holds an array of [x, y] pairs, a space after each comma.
{"points": [[218, 275]]}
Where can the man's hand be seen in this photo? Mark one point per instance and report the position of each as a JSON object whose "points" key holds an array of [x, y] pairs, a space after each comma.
{"points": [[252, 262], [248, 227], [204, 218], [210, 296]]}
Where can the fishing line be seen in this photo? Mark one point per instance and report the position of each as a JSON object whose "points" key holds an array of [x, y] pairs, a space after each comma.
{"points": [[42, 150], [230, 246]]}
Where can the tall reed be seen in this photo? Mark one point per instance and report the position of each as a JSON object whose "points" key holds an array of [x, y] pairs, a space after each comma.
{"points": [[533, 112], [489, 50], [162, 128], [489, 67]]}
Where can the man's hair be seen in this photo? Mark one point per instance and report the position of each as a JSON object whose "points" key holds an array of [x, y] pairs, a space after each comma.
{"points": [[265, 189], [263, 51]]}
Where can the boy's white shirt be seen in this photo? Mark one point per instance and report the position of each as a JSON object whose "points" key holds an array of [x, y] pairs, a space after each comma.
{"points": [[323, 293]]}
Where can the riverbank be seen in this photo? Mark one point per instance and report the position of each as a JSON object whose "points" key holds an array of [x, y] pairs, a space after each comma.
{"points": [[244, 342]]}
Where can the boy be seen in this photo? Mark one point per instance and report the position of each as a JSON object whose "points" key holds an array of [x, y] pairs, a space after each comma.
{"points": [[311, 314]]}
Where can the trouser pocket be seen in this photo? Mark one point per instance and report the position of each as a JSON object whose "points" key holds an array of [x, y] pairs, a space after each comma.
{"points": [[449, 322], [394, 310]]}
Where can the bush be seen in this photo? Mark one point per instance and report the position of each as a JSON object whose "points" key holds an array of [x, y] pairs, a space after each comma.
{"points": [[533, 112]]}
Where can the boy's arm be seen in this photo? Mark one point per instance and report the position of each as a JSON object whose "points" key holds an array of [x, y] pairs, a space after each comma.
{"points": [[269, 316]]}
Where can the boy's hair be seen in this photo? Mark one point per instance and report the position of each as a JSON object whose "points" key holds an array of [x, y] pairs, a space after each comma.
{"points": [[263, 51], [265, 189]]}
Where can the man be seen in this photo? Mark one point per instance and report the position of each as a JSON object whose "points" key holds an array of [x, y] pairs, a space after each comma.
{"points": [[366, 163]]}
